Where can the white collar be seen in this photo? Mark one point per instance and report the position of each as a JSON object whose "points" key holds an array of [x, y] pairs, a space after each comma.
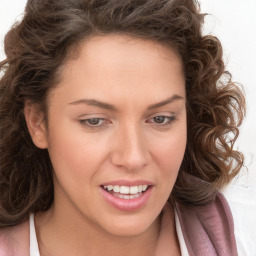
{"points": [[34, 250]]}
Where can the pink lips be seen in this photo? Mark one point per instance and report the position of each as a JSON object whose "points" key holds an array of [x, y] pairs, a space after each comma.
{"points": [[127, 204]]}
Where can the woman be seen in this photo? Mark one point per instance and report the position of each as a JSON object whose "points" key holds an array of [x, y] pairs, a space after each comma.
{"points": [[118, 121]]}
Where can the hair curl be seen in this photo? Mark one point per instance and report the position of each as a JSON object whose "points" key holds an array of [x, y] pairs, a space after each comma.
{"points": [[41, 43]]}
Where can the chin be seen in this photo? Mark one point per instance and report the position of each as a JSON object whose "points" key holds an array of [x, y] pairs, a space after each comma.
{"points": [[128, 226]]}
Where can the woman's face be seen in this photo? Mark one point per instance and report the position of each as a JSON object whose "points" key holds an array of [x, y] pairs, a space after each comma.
{"points": [[117, 127]]}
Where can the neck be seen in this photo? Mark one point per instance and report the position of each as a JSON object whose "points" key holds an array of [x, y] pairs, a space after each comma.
{"points": [[59, 232]]}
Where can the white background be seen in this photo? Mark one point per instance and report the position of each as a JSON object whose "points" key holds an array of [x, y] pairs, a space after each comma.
{"points": [[234, 22]]}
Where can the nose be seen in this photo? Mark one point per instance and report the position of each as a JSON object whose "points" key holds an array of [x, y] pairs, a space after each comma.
{"points": [[130, 149]]}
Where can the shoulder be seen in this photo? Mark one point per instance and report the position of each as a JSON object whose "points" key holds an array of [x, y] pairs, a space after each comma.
{"points": [[14, 241]]}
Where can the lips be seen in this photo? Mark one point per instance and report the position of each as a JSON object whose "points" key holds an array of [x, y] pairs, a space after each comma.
{"points": [[126, 195]]}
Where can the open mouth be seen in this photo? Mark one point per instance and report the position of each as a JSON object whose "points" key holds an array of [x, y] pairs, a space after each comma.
{"points": [[126, 192], [127, 198]]}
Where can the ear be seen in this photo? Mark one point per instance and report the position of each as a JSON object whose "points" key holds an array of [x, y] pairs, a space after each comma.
{"points": [[36, 124]]}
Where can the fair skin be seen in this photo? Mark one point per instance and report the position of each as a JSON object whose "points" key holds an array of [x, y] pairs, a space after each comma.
{"points": [[118, 115]]}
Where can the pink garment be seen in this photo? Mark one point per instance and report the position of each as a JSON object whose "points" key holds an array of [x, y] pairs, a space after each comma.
{"points": [[14, 241], [207, 230]]}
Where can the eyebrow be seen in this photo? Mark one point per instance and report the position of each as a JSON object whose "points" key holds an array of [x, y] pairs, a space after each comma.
{"points": [[175, 97], [100, 104], [96, 103]]}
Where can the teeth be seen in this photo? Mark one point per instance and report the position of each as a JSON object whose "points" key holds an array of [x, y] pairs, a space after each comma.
{"points": [[134, 190], [134, 196], [125, 190], [109, 187], [116, 189], [128, 197], [144, 187]]}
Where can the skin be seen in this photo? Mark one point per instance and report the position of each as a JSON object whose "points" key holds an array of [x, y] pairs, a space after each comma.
{"points": [[138, 80]]}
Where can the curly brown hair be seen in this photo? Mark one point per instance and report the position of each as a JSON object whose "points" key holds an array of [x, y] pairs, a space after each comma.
{"points": [[37, 48]]}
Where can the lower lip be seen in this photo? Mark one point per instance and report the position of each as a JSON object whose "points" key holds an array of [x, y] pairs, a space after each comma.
{"points": [[127, 204]]}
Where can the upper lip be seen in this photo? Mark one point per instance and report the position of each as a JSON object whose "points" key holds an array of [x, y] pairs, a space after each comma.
{"points": [[128, 183]]}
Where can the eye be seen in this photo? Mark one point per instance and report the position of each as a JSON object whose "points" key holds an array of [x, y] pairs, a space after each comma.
{"points": [[161, 120], [94, 122]]}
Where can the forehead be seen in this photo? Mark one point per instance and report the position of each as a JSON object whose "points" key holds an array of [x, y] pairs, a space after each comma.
{"points": [[112, 65]]}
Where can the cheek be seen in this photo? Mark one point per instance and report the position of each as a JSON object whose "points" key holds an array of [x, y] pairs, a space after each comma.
{"points": [[168, 156], [170, 160], [73, 151], [169, 153]]}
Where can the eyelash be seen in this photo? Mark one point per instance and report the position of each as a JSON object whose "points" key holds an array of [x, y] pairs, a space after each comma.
{"points": [[101, 122], [86, 122], [168, 120]]}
